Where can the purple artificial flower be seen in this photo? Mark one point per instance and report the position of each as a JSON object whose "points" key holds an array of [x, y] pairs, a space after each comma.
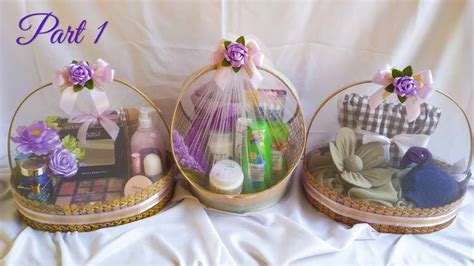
{"points": [[63, 163], [38, 139], [80, 73], [405, 86], [182, 153], [236, 54]]}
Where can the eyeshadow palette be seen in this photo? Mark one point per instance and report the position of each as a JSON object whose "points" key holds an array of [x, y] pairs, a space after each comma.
{"points": [[89, 190]]}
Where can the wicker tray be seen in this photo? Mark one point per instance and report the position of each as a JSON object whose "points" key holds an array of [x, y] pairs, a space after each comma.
{"points": [[384, 219], [94, 215]]}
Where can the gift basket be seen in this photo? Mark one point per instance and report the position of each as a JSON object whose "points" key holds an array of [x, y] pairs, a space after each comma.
{"points": [[88, 151], [391, 152], [238, 130]]}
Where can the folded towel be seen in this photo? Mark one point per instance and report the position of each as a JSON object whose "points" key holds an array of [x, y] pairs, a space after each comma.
{"points": [[426, 184]]}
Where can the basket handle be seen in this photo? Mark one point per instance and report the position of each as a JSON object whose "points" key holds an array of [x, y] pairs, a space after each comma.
{"points": [[130, 86], [313, 118], [196, 75]]}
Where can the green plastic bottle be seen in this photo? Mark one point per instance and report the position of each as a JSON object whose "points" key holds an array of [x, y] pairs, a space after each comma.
{"points": [[279, 133], [257, 159], [241, 152]]}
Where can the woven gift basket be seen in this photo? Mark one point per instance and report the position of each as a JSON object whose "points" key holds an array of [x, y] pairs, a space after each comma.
{"points": [[388, 162], [195, 119], [71, 148]]}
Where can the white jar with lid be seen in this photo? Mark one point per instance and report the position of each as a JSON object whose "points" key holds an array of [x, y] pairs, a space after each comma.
{"points": [[226, 177]]}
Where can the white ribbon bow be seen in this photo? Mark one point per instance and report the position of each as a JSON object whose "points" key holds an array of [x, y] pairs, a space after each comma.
{"points": [[103, 74], [403, 141]]}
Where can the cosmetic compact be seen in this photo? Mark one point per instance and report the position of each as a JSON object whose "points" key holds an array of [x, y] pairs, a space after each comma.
{"points": [[137, 184]]}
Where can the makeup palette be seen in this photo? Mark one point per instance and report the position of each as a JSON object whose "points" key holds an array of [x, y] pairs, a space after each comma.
{"points": [[89, 190]]}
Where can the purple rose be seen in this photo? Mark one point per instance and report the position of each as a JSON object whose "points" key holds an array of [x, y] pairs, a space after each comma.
{"points": [[236, 54], [80, 73], [63, 163], [38, 139], [405, 86]]}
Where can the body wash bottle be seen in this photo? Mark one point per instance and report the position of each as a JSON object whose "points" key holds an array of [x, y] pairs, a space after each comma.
{"points": [[257, 162], [147, 140]]}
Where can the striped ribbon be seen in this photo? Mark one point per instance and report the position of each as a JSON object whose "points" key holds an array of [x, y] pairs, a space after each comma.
{"points": [[375, 218]]}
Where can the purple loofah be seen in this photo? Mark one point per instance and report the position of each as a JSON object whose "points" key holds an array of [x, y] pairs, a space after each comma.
{"points": [[182, 153]]}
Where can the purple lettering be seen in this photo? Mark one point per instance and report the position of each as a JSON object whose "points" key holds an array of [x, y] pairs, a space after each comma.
{"points": [[79, 30], [57, 35], [24, 26], [101, 29]]}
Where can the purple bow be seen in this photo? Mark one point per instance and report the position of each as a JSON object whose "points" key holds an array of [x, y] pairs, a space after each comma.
{"points": [[416, 88], [102, 73], [255, 60], [88, 119]]}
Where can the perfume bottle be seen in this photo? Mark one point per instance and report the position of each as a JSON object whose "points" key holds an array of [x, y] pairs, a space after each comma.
{"points": [[147, 139]]}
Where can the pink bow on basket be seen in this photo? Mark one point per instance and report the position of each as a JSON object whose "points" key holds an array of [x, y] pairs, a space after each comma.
{"points": [[79, 75], [87, 119], [236, 55], [412, 90]]}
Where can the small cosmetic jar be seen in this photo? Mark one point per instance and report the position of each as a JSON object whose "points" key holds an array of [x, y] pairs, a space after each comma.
{"points": [[36, 182], [226, 177], [34, 171]]}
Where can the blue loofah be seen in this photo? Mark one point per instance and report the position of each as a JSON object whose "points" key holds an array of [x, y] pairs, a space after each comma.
{"points": [[426, 184]]}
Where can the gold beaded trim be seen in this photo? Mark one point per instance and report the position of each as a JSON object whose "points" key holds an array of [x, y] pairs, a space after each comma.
{"points": [[91, 227]]}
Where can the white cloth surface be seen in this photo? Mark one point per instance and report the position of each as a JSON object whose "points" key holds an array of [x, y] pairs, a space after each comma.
{"points": [[187, 233], [320, 45]]}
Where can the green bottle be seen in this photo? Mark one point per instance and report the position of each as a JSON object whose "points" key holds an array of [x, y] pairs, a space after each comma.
{"points": [[257, 158], [279, 133], [241, 151]]}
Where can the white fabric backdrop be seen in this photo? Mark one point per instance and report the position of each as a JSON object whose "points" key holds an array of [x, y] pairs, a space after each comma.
{"points": [[320, 45]]}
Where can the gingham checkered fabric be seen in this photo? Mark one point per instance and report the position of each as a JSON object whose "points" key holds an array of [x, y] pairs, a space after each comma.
{"points": [[387, 119]]}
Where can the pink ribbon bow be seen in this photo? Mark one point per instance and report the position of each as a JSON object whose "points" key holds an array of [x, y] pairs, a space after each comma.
{"points": [[255, 60], [87, 119], [384, 77], [103, 73]]}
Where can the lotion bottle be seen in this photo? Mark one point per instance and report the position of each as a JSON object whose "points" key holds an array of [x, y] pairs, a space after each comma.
{"points": [[147, 139]]}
